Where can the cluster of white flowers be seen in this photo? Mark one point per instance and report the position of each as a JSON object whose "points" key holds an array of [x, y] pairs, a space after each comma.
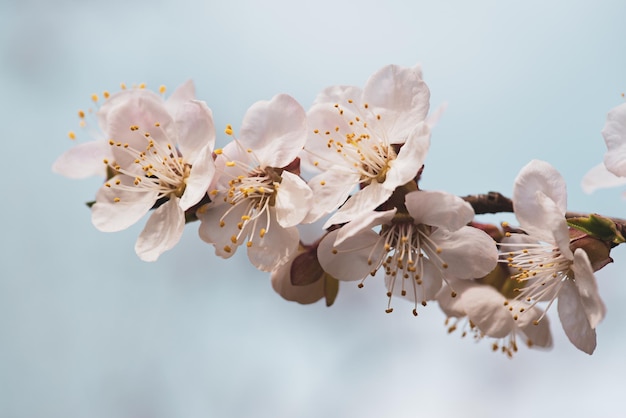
{"points": [[354, 162]]}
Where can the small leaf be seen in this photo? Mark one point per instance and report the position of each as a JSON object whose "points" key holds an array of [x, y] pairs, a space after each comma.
{"points": [[598, 227], [331, 289]]}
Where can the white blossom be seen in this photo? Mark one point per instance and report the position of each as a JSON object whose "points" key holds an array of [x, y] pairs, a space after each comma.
{"points": [[161, 153], [375, 139], [257, 201]]}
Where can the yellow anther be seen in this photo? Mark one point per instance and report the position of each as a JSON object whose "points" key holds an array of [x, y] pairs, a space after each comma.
{"points": [[71, 135], [105, 161], [81, 114], [162, 89], [157, 124], [228, 130], [94, 97], [227, 248], [349, 100], [142, 85], [230, 164], [117, 199], [316, 131], [249, 244], [106, 94], [111, 142], [245, 218], [323, 183], [222, 224], [218, 151], [123, 86], [262, 232], [233, 239], [107, 184], [366, 105], [378, 117]]}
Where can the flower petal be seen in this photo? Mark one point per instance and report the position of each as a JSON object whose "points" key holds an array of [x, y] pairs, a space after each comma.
{"points": [[540, 203], [194, 122], [365, 200], [199, 179], [281, 283], [293, 200], [367, 221], [469, 253], [400, 97], [109, 215], [614, 134], [439, 209], [485, 308], [275, 248], [162, 231], [574, 318], [330, 189], [351, 260], [218, 224], [410, 158], [182, 94], [599, 178], [276, 130], [83, 160], [588, 288]]}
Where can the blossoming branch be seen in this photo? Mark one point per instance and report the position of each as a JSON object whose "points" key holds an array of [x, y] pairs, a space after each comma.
{"points": [[354, 161]]}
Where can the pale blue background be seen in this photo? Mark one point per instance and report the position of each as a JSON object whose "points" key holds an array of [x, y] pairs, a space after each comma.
{"points": [[88, 330]]}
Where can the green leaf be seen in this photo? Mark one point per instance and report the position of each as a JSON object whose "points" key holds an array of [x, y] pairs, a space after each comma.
{"points": [[598, 227]]}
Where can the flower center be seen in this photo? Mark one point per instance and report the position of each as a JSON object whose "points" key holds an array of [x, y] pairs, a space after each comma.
{"points": [[250, 192], [158, 168], [539, 271], [400, 250], [365, 150]]}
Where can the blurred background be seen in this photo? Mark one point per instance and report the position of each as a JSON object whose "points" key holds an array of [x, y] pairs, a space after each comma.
{"points": [[88, 330]]}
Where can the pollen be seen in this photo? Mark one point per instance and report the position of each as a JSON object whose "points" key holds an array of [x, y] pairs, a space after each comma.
{"points": [[71, 135], [106, 94], [81, 114], [162, 89], [227, 248], [116, 200], [142, 86], [94, 98], [123, 86], [262, 232], [228, 130]]}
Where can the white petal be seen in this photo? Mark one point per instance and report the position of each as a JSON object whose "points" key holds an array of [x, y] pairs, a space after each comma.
{"points": [[339, 95], [599, 178], [325, 118], [614, 134], [83, 160], [349, 260], [574, 319], [143, 112], [410, 158], [121, 98], [162, 231], [468, 252], [365, 200], [276, 130], [588, 288], [199, 179], [540, 201], [182, 94], [293, 200], [453, 306], [538, 335], [364, 222], [330, 189], [400, 96], [439, 209], [275, 248], [485, 308], [220, 236], [194, 122], [110, 216]]}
